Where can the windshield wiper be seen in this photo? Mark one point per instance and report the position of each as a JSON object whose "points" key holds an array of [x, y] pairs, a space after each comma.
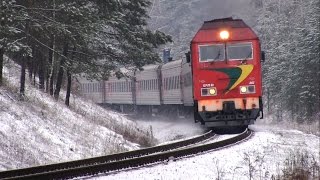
{"points": [[218, 55], [246, 58]]}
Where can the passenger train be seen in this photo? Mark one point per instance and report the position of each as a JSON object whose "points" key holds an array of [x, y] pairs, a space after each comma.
{"points": [[219, 81]]}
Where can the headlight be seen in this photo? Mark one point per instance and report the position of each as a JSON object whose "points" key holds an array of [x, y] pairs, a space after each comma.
{"points": [[209, 91], [247, 89], [243, 89], [212, 91]]}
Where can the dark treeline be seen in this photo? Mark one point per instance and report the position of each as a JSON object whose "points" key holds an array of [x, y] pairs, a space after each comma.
{"points": [[56, 39], [290, 34]]}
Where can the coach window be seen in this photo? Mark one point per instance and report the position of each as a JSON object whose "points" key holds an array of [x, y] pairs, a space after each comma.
{"points": [[176, 82], [239, 51], [211, 52], [147, 85], [166, 83]]}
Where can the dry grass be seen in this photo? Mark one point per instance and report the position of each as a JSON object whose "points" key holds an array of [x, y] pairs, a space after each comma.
{"points": [[299, 166]]}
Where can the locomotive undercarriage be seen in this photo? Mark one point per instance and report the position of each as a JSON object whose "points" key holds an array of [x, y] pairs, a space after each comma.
{"points": [[237, 117]]}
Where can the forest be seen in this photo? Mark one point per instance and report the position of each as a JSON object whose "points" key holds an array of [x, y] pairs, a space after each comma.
{"points": [[56, 40]]}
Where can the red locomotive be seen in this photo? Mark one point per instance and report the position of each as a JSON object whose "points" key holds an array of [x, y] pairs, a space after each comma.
{"points": [[226, 70]]}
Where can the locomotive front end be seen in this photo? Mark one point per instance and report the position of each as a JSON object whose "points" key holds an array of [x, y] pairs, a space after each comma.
{"points": [[226, 74]]}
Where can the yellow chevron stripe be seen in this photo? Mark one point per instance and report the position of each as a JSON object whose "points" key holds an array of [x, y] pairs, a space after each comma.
{"points": [[245, 71]]}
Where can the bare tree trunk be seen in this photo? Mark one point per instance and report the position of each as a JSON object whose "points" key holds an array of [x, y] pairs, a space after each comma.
{"points": [[23, 78], [41, 71], [25, 59], [67, 102], [51, 66], [51, 55], [1, 65], [60, 73]]}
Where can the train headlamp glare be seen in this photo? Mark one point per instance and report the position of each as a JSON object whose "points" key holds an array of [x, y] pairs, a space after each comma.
{"points": [[212, 91], [243, 89], [224, 35]]}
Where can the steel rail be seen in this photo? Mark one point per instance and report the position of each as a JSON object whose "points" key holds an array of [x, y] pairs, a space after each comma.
{"points": [[95, 169], [104, 159]]}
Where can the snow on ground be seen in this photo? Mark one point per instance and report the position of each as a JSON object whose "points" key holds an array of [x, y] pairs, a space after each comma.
{"points": [[41, 130], [267, 151], [166, 129]]}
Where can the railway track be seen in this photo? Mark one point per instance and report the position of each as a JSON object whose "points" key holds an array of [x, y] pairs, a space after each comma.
{"points": [[131, 159], [28, 172]]}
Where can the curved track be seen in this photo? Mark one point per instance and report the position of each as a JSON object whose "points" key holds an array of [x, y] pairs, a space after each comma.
{"points": [[30, 172], [121, 161]]}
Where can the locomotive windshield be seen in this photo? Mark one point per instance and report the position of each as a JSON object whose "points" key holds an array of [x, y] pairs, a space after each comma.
{"points": [[237, 51], [211, 52]]}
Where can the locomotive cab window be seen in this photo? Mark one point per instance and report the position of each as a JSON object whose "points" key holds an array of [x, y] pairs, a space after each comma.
{"points": [[211, 52], [239, 51]]}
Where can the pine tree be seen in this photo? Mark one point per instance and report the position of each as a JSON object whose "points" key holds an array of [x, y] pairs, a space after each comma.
{"points": [[80, 37]]}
